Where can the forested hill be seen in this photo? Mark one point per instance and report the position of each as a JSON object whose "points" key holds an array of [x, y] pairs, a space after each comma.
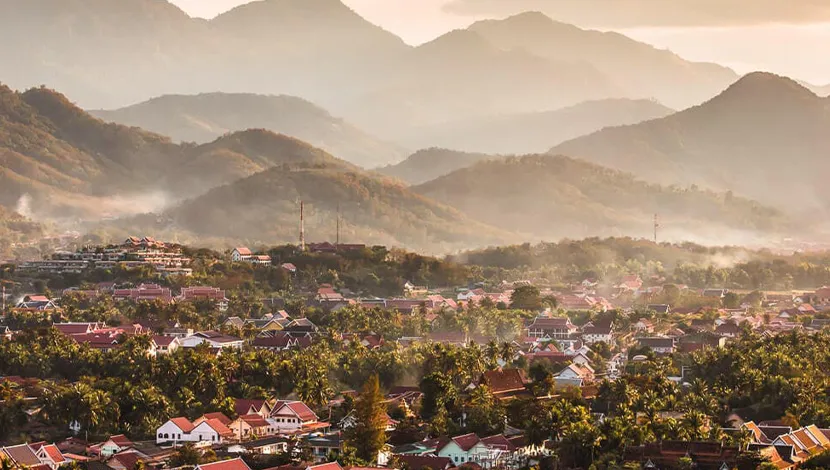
{"points": [[554, 196]]}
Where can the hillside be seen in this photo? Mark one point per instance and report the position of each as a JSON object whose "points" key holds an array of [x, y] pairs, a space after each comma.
{"points": [[205, 117], [763, 132], [71, 164], [428, 164], [534, 132], [643, 71], [265, 207], [16, 229], [550, 197]]}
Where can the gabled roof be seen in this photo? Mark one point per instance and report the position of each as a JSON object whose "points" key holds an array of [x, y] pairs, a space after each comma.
{"points": [[22, 455], [504, 380], [54, 453], [121, 440], [465, 441], [128, 459], [243, 250], [243, 406], [218, 416], [254, 421], [183, 423], [499, 442], [298, 408], [218, 426]]}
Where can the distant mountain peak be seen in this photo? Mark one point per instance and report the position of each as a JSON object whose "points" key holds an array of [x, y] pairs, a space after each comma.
{"points": [[765, 86]]}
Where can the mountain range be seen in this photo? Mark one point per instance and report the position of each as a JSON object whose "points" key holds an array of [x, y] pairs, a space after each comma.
{"points": [[108, 55], [533, 132], [766, 137], [205, 117]]}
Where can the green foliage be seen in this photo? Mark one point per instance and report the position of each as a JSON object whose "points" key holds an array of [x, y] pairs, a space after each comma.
{"points": [[368, 434]]}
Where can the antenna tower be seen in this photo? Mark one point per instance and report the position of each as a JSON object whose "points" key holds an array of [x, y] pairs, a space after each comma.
{"points": [[302, 226]]}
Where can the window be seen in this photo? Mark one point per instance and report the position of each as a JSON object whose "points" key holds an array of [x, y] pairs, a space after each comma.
{"points": [[161, 436], [166, 436], [456, 459]]}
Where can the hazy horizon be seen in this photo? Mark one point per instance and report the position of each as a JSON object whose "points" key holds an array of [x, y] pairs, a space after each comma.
{"points": [[796, 44]]}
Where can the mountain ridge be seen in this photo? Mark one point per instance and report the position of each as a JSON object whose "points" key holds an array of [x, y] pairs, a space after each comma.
{"points": [[765, 128]]}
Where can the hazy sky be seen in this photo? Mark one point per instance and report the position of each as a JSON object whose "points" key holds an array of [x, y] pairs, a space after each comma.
{"points": [[791, 37]]}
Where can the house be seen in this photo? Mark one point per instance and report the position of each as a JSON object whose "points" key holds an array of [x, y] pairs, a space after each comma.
{"points": [[251, 426], [728, 329], [554, 328], [489, 452], [463, 449], [805, 442], [292, 416], [204, 294], [658, 345], [211, 430], [111, 446], [37, 303], [128, 460], [289, 267], [240, 254], [630, 283], [643, 325], [667, 454], [144, 292], [244, 407], [166, 344], [50, 455], [506, 384], [575, 375], [174, 430], [324, 445], [217, 416], [213, 339], [21, 456], [265, 446], [598, 333]]}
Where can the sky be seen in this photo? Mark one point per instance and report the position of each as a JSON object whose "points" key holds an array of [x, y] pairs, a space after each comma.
{"points": [[789, 37]]}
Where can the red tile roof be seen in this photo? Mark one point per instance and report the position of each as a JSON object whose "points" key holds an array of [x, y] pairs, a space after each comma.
{"points": [[234, 464], [219, 417], [183, 423], [243, 407], [504, 380], [128, 460], [121, 440], [298, 408], [219, 427], [466, 441], [255, 421]]}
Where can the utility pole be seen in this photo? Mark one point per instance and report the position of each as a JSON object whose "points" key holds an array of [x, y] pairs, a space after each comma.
{"points": [[337, 242], [302, 226], [656, 226]]}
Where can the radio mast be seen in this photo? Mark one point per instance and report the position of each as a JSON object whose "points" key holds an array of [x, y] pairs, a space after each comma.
{"points": [[302, 226]]}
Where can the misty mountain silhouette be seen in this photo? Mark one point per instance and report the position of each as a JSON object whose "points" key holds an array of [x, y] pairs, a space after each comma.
{"points": [[524, 133], [205, 117], [764, 132]]}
